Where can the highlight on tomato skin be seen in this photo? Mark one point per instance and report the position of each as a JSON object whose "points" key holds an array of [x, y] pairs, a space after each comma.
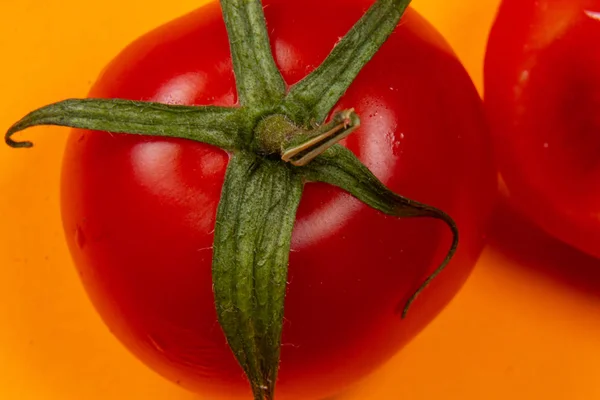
{"points": [[139, 212], [542, 96]]}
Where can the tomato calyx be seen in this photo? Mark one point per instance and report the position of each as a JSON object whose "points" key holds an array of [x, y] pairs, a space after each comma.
{"points": [[278, 140]]}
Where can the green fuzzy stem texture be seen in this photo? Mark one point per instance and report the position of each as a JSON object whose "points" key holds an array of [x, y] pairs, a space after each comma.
{"points": [[252, 243], [311, 99], [219, 126], [259, 82]]}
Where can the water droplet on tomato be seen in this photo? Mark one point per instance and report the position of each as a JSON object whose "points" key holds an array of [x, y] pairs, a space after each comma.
{"points": [[396, 147]]}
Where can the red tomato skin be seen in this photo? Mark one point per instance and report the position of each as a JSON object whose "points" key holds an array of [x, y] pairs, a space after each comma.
{"points": [[542, 95], [139, 212]]}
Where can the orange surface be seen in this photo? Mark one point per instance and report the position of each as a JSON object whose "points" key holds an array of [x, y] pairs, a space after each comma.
{"points": [[526, 325]]}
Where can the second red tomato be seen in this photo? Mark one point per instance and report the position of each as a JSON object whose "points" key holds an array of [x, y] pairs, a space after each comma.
{"points": [[542, 93]]}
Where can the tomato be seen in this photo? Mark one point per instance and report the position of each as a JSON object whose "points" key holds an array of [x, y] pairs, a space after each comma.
{"points": [[139, 212], [542, 93]]}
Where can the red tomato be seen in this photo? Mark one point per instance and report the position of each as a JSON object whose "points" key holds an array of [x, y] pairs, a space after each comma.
{"points": [[139, 212], [542, 93]]}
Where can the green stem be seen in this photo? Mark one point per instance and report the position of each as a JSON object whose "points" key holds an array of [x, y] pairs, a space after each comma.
{"points": [[217, 126], [259, 82], [252, 243], [340, 167], [312, 98]]}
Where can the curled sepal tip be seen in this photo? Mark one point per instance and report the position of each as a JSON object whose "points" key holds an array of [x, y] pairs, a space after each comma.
{"points": [[338, 166], [14, 144], [442, 216]]}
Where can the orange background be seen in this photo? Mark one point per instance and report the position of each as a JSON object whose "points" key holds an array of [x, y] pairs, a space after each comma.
{"points": [[526, 324]]}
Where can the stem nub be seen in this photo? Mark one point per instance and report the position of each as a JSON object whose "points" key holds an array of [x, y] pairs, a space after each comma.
{"points": [[277, 134], [307, 146]]}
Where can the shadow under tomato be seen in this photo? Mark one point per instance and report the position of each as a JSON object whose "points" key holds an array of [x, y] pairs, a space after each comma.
{"points": [[528, 246]]}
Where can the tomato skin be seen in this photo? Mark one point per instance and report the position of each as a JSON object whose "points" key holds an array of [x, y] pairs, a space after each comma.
{"points": [[139, 212], [542, 94]]}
